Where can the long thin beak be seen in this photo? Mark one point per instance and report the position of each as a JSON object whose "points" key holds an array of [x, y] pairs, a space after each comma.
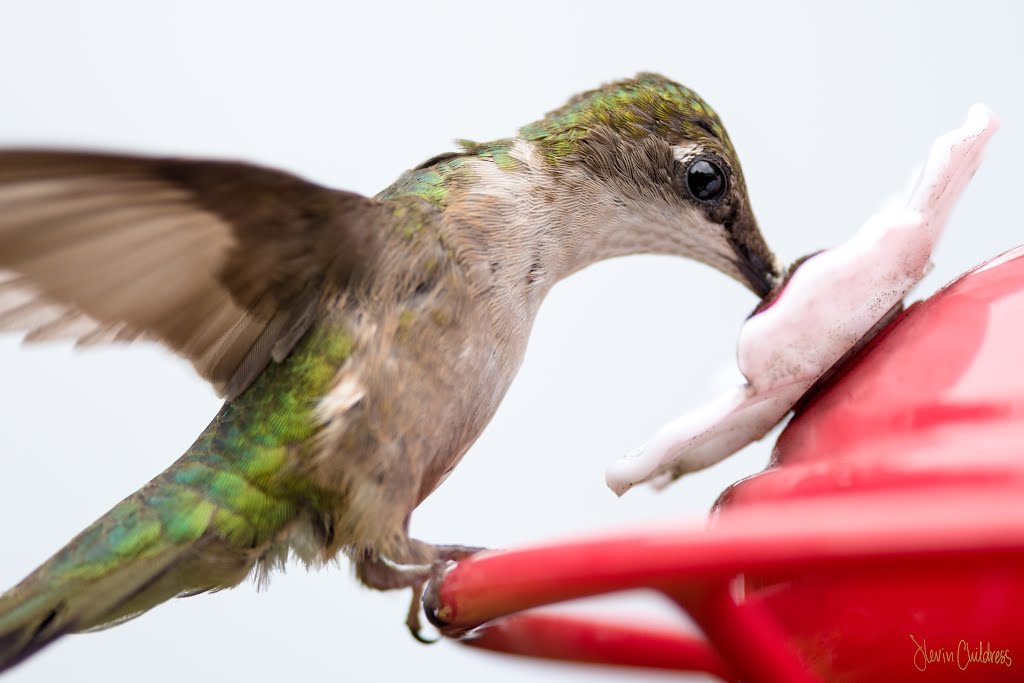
{"points": [[760, 275], [754, 259]]}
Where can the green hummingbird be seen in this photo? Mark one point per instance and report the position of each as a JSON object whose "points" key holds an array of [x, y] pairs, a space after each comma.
{"points": [[361, 345]]}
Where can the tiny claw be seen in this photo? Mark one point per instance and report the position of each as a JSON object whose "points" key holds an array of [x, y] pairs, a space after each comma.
{"points": [[413, 629], [432, 605], [412, 619], [438, 614]]}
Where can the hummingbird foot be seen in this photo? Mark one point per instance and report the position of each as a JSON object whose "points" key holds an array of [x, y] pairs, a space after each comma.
{"points": [[424, 594], [432, 591], [377, 572]]}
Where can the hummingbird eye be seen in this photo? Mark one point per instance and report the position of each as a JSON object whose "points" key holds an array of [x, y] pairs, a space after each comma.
{"points": [[705, 180]]}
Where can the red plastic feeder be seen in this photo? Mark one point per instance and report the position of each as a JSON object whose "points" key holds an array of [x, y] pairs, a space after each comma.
{"points": [[885, 541]]}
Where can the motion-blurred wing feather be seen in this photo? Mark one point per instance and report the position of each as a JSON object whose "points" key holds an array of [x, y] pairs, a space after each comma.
{"points": [[223, 262]]}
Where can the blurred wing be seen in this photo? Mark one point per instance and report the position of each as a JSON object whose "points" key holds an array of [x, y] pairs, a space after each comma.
{"points": [[222, 262]]}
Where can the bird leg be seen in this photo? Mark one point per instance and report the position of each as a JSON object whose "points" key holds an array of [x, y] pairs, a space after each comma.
{"points": [[379, 573]]}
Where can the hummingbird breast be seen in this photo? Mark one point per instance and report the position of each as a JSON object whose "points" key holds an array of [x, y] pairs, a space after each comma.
{"points": [[432, 357]]}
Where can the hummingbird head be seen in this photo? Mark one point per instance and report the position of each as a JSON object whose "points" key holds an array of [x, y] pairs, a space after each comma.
{"points": [[652, 160]]}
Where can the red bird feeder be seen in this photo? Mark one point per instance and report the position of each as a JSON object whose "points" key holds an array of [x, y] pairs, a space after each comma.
{"points": [[884, 542]]}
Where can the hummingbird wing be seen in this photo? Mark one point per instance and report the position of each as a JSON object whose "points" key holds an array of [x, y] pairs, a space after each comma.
{"points": [[223, 262]]}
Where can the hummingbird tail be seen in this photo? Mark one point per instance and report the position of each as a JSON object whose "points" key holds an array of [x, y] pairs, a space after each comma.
{"points": [[199, 526], [43, 607]]}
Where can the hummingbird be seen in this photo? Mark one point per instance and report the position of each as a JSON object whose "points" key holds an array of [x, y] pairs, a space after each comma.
{"points": [[360, 344]]}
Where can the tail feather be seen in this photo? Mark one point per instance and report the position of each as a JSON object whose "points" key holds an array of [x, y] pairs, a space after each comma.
{"points": [[28, 628], [43, 608], [199, 526], [195, 528]]}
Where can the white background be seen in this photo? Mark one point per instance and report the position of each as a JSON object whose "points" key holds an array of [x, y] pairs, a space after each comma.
{"points": [[828, 104]]}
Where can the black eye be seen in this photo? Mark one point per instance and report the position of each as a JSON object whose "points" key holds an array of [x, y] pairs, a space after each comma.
{"points": [[705, 180]]}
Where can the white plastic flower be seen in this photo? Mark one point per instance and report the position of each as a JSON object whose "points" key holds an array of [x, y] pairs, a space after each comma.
{"points": [[830, 304]]}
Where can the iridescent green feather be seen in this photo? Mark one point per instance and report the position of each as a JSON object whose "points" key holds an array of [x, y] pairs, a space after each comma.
{"points": [[235, 488], [498, 150], [238, 480], [645, 105], [429, 182], [433, 179]]}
